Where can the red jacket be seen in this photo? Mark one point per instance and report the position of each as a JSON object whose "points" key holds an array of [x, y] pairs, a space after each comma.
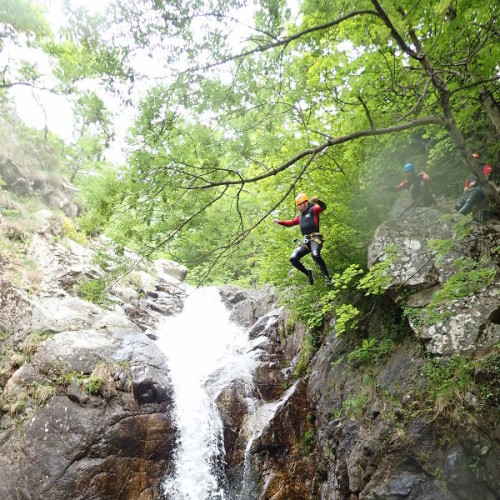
{"points": [[471, 179]]}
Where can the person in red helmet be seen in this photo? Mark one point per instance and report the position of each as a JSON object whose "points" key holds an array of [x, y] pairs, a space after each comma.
{"points": [[473, 195], [312, 241]]}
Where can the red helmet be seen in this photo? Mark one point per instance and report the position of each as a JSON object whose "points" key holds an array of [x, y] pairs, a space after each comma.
{"points": [[487, 169]]}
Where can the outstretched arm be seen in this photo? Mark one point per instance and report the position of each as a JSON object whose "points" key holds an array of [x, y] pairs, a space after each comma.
{"points": [[292, 222]]}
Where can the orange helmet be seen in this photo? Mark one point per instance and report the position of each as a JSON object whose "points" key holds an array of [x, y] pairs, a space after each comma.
{"points": [[475, 155], [301, 197]]}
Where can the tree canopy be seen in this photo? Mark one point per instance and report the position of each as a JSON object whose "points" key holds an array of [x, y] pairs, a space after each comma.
{"points": [[330, 98]]}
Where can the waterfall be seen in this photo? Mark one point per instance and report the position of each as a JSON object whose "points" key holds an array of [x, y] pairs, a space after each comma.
{"points": [[205, 352]]}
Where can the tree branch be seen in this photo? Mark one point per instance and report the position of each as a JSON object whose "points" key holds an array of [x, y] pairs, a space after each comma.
{"points": [[431, 120], [283, 41]]}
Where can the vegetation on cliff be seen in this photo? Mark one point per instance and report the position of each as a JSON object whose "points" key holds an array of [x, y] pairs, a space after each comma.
{"points": [[327, 98]]}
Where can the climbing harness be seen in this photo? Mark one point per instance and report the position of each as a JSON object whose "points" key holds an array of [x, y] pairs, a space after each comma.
{"points": [[307, 238]]}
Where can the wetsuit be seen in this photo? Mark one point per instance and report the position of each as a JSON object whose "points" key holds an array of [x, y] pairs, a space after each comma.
{"points": [[473, 194], [419, 189], [308, 221]]}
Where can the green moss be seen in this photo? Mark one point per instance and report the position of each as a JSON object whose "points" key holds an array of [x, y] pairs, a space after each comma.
{"points": [[354, 406], [93, 385], [307, 441], [372, 350]]}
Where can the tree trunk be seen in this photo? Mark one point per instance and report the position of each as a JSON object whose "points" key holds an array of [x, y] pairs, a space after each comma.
{"points": [[491, 107], [443, 91]]}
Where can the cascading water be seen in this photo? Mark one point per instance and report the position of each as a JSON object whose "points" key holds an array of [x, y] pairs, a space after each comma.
{"points": [[206, 351]]}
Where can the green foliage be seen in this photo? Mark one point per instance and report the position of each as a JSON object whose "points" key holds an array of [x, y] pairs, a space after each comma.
{"points": [[115, 266], [307, 442], [197, 132], [378, 278], [354, 406], [346, 318], [42, 393], [69, 230], [371, 351], [461, 390], [94, 290], [5, 333], [462, 227], [469, 278], [93, 385], [24, 16], [99, 195], [448, 382]]}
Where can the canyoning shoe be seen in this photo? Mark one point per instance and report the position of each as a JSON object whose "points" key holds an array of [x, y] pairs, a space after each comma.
{"points": [[310, 276], [328, 281]]}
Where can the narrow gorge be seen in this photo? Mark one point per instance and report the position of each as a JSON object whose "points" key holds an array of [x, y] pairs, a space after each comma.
{"points": [[167, 391]]}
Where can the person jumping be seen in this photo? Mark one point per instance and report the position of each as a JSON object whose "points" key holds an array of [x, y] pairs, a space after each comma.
{"points": [[312, 241]]}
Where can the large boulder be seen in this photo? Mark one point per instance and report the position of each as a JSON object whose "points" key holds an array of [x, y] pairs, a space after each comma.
{"points": [[467, 324], [107, 430]]}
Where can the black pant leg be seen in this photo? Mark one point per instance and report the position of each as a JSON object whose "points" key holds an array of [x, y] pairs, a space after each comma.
{"points": [[316, 254], [297, 254]]}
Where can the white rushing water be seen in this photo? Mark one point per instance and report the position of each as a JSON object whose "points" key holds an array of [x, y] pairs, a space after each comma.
{"points": [[205, 352]]}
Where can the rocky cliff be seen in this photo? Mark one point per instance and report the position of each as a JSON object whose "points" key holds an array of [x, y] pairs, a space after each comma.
{"points": [[404, 406], [86, 400], [376, 417]]}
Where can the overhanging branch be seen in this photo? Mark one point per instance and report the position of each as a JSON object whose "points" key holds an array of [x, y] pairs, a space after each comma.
{"points": [[284, 41], [431, 120]]}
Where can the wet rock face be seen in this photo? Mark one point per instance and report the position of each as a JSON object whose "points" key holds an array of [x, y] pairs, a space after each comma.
{"points": [[269, 443], [470, 324], [283, 450], [248, 306], [92, 451], [107, 429], [86, 400], [233, 408]]}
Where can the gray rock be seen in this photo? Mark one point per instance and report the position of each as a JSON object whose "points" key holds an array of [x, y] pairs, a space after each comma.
{"points": [[59, 314], [171, 268], [87, 446], [470, 324]]}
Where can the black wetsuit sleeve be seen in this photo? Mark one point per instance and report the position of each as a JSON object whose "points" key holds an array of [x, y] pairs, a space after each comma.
{"points": [[322, 205]]}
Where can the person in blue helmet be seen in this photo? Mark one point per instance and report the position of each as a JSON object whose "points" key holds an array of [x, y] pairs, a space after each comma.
{"points": [[418, 184]]}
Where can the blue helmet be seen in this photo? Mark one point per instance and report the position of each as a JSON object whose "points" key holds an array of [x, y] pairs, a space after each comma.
{"points": [[409, 167]]}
